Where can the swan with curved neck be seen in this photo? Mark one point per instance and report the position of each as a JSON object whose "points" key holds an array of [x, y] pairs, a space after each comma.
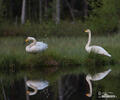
{"points": [[96, 77], [35, 46], [32, 92], [36, 85], [95, 49]]}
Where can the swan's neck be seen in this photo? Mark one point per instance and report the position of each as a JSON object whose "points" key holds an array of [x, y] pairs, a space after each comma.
{"points": [[89, 40], [33, 43], [33, 92], [90, 86]]}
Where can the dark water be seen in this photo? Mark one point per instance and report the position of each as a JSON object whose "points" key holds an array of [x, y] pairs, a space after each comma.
{"points": [[63, 84]]}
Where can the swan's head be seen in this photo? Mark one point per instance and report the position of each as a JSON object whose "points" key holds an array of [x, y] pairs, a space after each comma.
{"points": [[88, 95], [88, 77], [28, 92], [29, 39], [31, 93], [87, 30]]}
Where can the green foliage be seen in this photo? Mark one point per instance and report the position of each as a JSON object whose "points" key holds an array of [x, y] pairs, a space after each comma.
{"points": [[61, 52], [98, 60], [45, 29], [104, 17], [10, 61]]}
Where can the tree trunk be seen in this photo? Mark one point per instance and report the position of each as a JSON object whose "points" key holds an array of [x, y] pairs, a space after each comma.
{"points": [[3, 90], [46, 9], [60, 89], [23, 12], [26, 88], [54, 10], [73, 3], [85, 8], [71, 10], [57, 11], [40, 11], [28, 10]]}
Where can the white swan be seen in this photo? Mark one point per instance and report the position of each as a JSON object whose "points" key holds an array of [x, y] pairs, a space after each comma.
{"points": [[35, 46], [96, 77], [36, 85], [95, 49]]}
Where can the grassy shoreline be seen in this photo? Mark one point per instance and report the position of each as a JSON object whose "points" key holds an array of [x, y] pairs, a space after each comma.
{"points": [[64, 51]]}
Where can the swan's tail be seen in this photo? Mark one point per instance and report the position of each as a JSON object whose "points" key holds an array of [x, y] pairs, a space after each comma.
{"points": [[101, 75], [108, 55]]}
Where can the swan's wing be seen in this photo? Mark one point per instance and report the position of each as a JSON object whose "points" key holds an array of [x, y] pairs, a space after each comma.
{"points": [[100, 76], [38, 47], [42, 85], [38, 84], [100, 50], [41, 44]]}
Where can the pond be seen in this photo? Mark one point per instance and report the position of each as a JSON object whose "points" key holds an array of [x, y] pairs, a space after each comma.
{"points": [[56, 83]]}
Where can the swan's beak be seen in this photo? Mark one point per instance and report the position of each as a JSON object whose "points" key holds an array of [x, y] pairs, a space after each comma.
{"points": [[26, 40], [87, 95], [85, 31], [27, 92]]}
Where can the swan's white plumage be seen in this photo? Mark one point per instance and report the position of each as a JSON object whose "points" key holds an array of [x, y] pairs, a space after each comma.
{"points": [[36, 85], [95, 77], [101, 75], [95, 49], [35, 47]]}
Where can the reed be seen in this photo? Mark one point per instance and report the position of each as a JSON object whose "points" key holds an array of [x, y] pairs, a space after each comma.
{"points": [[61, 52]]}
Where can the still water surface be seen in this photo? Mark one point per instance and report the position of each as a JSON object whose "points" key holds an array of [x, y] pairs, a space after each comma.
{"points": [[55, 83]]}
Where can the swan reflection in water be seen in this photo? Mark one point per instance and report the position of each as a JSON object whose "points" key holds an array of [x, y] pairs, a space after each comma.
{"points": [[36, 85], [95, 77], [78, 87]]}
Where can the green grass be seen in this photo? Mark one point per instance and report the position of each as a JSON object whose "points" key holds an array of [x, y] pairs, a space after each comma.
{"points": [[61, 52]]}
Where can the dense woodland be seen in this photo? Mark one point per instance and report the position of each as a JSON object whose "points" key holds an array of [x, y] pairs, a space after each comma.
{"points": [[19, 16]]}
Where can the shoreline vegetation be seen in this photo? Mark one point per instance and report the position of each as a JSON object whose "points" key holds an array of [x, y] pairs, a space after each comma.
{"points": [[61, 30], [50, 29], [61, 52]]}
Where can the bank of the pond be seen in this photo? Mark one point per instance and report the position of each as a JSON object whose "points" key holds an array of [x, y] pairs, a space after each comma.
{"points": [[53, 74], [64, 51]]}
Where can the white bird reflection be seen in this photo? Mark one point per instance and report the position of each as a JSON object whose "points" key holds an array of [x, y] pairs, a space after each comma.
{"points": [[36, 85], [96, 77]]}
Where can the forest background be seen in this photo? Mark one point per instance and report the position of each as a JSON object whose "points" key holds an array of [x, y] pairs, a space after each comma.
{"points": [[43, 18]]}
